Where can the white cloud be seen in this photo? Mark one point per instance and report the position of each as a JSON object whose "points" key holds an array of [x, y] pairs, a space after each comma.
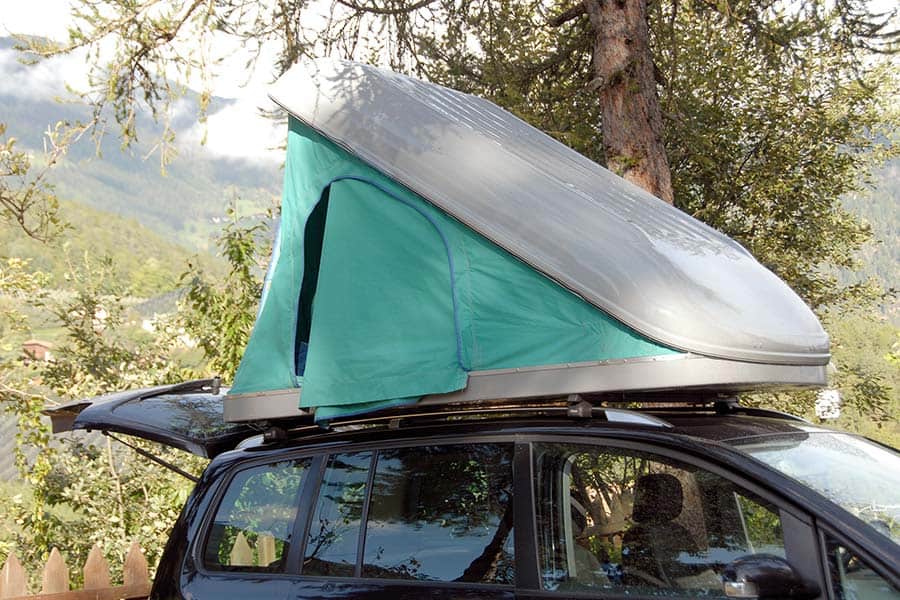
{"points": [[48, 18], [236, 131], [45, 79]]}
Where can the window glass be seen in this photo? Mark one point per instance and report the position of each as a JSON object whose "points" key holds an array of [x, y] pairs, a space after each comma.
{"points": [[253, 524], [196, 416], [859, 475], [442, 513], [634, 522], [331, 545], [852, 579]]}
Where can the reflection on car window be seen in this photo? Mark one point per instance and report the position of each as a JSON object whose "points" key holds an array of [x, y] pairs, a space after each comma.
{"points": [[442, 513], [852, 579], [333, 538], [634, 522], [252, 527]]}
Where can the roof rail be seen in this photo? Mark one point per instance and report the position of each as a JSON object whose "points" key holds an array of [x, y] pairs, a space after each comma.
{"points": [[724, 404], [765, 412], [573, 406]]}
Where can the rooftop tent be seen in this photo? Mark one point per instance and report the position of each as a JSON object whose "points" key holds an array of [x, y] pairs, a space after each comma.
{"points": [[433, 246]]}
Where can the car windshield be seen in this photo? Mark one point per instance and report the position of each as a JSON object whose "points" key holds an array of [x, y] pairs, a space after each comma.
{"points": [[859, 475]]}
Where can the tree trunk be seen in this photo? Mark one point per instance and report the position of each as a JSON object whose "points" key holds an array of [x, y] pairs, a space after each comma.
{"points": [[625, 82]]}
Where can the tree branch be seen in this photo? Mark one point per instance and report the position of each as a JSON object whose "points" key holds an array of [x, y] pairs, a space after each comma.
{"points": [[375, 10], [569, 14]]}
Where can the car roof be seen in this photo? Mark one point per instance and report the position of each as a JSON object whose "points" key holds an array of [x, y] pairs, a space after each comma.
{"points": [[703, 423]]}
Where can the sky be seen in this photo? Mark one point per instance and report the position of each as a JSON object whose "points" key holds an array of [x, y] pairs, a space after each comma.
{"points": [[236, 131]]}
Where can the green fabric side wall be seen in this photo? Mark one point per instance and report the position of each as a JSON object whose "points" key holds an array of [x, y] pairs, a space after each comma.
{"points": [[383, 324], [508, 315], [513, 316]]}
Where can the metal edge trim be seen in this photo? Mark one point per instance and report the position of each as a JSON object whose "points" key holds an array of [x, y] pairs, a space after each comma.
{"points": [[687, 371], [671, 372]]}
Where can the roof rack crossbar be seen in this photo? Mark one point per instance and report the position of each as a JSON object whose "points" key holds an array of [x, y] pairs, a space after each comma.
{"points": [[572, 407]]}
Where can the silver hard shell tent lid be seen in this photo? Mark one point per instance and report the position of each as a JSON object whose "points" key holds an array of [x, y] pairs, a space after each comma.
{"points": [[653, 267]]}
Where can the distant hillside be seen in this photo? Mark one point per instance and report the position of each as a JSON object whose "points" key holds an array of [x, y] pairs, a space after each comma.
{"points": [[184, 205], [145, 263], [880, 207]]}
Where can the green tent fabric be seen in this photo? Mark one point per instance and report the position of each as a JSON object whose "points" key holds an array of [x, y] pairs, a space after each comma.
{"points": [[376, 298], [384, 289]]}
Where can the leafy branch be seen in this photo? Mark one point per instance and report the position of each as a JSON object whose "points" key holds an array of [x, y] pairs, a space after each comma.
{"points": [[27, 198]]}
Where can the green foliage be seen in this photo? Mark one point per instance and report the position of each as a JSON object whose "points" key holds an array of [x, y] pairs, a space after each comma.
{"points": [[32, 433], [763, 525], [19, 397], [219, 312], [143, 262], [184, 205], [18, 281], [865, 371], [115, 496], [265, 504], [879, 207], [866, 375], [79, 493], [506, 52], [143, 70], [96, 357], [764, 145], [82, 493]]}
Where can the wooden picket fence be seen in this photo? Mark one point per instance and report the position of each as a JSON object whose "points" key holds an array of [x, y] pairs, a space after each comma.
{"points": [[97, 586]]}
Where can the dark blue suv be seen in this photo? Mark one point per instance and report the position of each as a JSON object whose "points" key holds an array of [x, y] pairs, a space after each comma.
{"points": [[573, 497]]}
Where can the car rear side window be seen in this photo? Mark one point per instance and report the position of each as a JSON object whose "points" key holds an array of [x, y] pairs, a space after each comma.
{"points": [[333, 539], [253, 524], [442, 513]]}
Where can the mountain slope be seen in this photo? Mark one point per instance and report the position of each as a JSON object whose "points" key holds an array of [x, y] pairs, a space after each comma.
{"points": [[144, 262], [182, 204], [880, 207]]}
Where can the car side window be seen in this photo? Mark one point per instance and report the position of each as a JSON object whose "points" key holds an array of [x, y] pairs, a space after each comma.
{"points": [[852, 578], [333, 538], [251, 530], [634, 522], [442, 513]]}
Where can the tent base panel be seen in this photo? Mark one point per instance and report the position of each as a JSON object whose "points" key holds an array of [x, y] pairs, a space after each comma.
{"points": [[263, 406], [675, 372]]}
